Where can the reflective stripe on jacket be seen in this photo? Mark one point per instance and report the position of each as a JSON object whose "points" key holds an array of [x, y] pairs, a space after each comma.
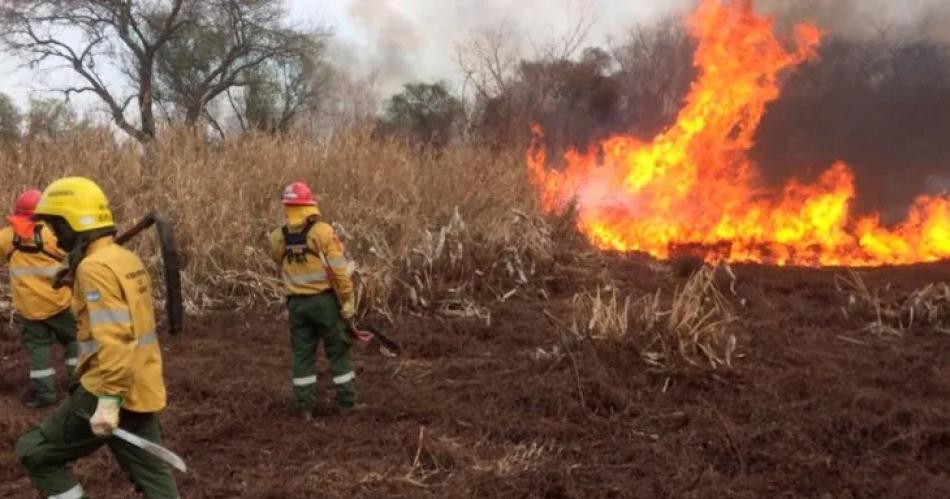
{"points": [[31, 275], [119, 353], [316, 274]]}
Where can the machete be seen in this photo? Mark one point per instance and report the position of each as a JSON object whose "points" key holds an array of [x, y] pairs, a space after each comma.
{"points": [[163, 454], [367, 334], [152, 448]]}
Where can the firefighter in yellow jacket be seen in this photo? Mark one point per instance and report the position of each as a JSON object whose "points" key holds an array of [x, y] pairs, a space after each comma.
{"points": [[43, 313], [319, 297], [120, 363]]}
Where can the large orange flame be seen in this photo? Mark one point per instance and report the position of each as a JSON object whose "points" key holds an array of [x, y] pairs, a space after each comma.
{"points": [[694, 188]]}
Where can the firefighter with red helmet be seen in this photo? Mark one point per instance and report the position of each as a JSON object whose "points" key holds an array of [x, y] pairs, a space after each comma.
{"points": [[30, 248], [320, 297]]}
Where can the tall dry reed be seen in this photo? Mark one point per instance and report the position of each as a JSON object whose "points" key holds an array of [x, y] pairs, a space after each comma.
{"points": [[387, 201]]}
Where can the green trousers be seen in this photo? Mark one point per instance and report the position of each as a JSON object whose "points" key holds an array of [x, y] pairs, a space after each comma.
{"points": [[64, 436], [315, 318], [38, 339]]}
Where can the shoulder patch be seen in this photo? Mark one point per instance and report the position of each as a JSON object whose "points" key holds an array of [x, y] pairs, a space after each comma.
{"points": [[92, 296]]}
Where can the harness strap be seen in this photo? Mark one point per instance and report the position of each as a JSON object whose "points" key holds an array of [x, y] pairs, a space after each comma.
{"points": [[33, 249], [296, 245]]}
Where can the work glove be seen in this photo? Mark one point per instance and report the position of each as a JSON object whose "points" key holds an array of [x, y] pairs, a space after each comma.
{"points": [[348, 310], [106, 417]]}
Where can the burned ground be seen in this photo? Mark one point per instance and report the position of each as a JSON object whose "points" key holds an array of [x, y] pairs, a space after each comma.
{"points": [[813, 408]]}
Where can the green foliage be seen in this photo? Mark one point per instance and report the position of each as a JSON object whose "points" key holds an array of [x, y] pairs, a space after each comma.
{"points": [[426, 114], [10, 121], [49, 118], [239, 47], [282, 89]]}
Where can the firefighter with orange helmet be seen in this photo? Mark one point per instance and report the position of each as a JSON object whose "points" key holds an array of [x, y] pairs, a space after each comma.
{"points": [[320, 297], [30, 248]]}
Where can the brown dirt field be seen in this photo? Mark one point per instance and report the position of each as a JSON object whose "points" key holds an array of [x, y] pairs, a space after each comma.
{"points": [[467, 411]]}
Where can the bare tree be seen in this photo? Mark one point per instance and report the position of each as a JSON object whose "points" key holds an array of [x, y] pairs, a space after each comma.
{"points": [[85, 36], [655, 71], [489, 59], [230, 44], [281, 91], [581, 18], [352, 102], [511, 89]]}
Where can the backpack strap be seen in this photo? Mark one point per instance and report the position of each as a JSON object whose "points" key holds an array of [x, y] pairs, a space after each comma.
{"points": [[35, 248], [296, 244]]}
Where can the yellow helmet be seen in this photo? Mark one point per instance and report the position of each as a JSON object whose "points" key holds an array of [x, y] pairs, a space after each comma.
{"points": [[79, 201]]}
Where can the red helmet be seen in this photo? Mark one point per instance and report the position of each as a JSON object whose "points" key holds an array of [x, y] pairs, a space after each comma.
{"points": [[298, 194], [26, 203]]}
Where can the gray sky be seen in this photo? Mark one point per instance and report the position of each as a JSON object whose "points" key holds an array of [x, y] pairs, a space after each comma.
{"points": [[402, 39], [415, 39]]}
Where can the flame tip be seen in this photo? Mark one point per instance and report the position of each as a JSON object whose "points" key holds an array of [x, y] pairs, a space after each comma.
{"points": [[694, 186]]}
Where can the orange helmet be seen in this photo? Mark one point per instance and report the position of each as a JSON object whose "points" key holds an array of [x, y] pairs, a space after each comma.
{"points": [[26, 202], [298, 194]]}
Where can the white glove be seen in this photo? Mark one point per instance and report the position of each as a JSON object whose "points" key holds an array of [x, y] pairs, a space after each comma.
{"points": [[348, 310], [106, 417]]}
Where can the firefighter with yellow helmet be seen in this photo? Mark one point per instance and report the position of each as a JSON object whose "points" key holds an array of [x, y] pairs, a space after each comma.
{"points": [[120, 363], [319, 297], [43, 313]]}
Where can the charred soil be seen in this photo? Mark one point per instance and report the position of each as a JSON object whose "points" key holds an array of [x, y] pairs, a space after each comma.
{"points": [[814, 407]]}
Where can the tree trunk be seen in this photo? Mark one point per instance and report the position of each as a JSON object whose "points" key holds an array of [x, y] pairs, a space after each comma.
{"points": [[146, 74], [193, 114], [150, 167], [150, 164]]}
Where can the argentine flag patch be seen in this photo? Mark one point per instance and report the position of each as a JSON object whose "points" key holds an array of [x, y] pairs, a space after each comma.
{"points": [[92, 297]]}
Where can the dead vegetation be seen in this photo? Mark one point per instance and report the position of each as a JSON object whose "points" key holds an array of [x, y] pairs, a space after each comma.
{"points": [[449, 234], [884, 313], [699, 324], [435, 233], [601, 314], [694, 327], [457, 269]]}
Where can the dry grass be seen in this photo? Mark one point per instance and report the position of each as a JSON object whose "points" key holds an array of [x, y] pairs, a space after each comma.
{"points": [[601, 314], [694, 328], [518, 459], [427, 232], [926, 308], [434, 234]]}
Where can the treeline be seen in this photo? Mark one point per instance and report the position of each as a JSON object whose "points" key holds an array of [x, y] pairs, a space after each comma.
{"points": [[880, 103]]}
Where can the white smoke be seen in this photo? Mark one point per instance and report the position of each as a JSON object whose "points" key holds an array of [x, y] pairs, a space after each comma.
{"points": [[403, 40]]}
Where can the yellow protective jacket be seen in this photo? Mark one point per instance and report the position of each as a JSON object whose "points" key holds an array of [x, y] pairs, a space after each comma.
{"points": [[323, 266], [119, 353], [32, 273]]}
